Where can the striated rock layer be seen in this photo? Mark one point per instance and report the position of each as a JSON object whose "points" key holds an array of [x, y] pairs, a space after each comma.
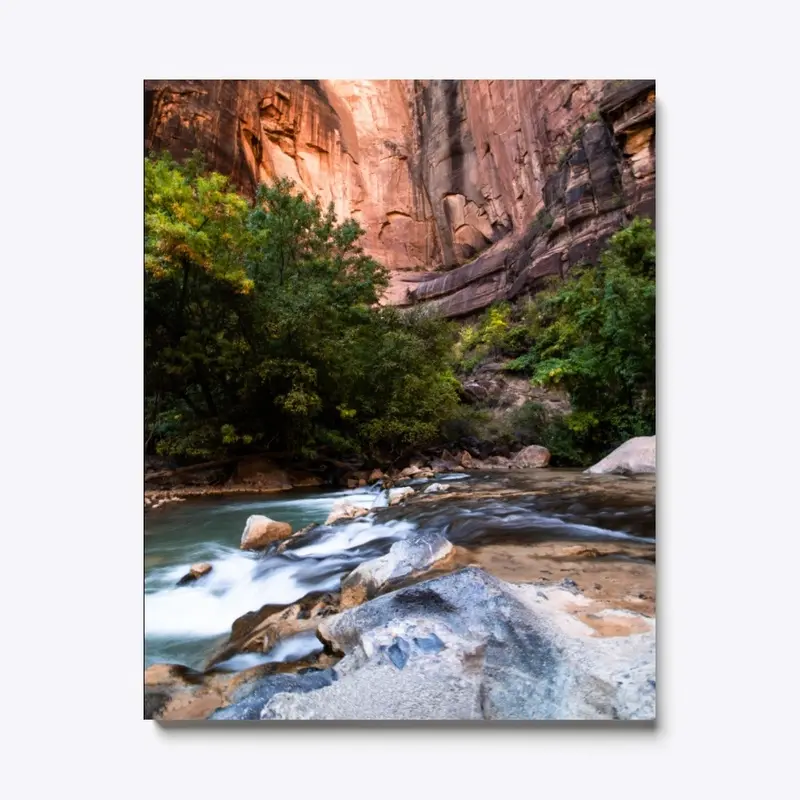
{"points": [[469, 191]]}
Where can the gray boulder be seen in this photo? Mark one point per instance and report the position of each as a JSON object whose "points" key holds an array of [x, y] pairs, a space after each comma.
{"points": [[636, 456], [251, 697], [406, 557], [470, 646]]}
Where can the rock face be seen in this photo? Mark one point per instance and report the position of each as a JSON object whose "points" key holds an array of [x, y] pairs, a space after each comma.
{"points": [[637, 455], [345, 141], [530, 176], [470, 646], [499, 183], [261, 531]]}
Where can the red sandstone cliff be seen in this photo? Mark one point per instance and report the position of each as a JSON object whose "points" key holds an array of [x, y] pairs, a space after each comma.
{"points": [[493, 184]]}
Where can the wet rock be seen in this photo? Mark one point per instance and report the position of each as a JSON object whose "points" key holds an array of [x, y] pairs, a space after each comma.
{"points": [[261, 531], [295, 537], [173, 691], [465, 460], [411, 556], [532, 456], [409, 472], [397, 496], [260, 631], [435, 488], [342, 509], [250, 699], [195, 571], [375, 476], [636, 456], [469, 646]]}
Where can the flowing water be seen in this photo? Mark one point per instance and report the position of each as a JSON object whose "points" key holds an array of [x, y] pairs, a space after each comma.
{"points": [[184, 624]]}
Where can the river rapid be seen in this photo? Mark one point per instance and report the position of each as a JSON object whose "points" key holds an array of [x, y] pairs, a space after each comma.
{"points": [[183, 625]]}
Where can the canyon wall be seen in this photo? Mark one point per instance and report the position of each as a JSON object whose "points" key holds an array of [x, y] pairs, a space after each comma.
{"points": [[469, 191]]}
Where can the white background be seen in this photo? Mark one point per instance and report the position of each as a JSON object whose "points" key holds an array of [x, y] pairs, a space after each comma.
{"points": [[71, 315]]}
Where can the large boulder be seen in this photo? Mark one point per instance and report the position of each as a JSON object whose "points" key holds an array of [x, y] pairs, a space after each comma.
{"points": [[260, 531], [636, 456], [375, 476], [532, 456], [470, 646], [407, 557]]}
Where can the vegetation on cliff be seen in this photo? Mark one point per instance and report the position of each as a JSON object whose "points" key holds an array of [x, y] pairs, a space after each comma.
{"points": [[263, 329], [593, 335]]}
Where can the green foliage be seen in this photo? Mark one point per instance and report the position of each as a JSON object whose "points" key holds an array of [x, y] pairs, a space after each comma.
{"points": [[544, 219], [502, 331], [263, 328], [485, 339], [594, 335]]}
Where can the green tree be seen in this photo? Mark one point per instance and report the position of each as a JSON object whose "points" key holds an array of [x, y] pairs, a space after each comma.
{"points": [[264, 328], [195, 281]]}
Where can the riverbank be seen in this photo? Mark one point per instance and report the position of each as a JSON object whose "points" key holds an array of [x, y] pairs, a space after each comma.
{"points": [[586, 540]]}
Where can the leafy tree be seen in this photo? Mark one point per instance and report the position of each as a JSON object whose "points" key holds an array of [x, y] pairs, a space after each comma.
{"points": [[263, 328], [195, 280]]}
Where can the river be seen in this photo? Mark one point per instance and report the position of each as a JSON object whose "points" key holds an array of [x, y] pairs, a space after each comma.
{"points": [[185, 624]]}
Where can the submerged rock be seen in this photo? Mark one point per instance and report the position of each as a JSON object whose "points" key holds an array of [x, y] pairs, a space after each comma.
{"points": [[636, 456], [407, 557], [261, 531], [342, 509], [260, 631], [532, 456], [195, 571], [470, 646], [397, 496]]}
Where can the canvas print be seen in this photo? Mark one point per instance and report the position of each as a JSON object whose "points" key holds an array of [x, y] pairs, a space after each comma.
{"points": [[400, 400]]}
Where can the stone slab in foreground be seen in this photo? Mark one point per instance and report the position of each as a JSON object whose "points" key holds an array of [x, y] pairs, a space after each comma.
{"points": [[470, 646]]}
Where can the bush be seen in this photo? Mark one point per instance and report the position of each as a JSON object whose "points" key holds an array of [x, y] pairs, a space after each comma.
{"points": [[594, 335]]}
